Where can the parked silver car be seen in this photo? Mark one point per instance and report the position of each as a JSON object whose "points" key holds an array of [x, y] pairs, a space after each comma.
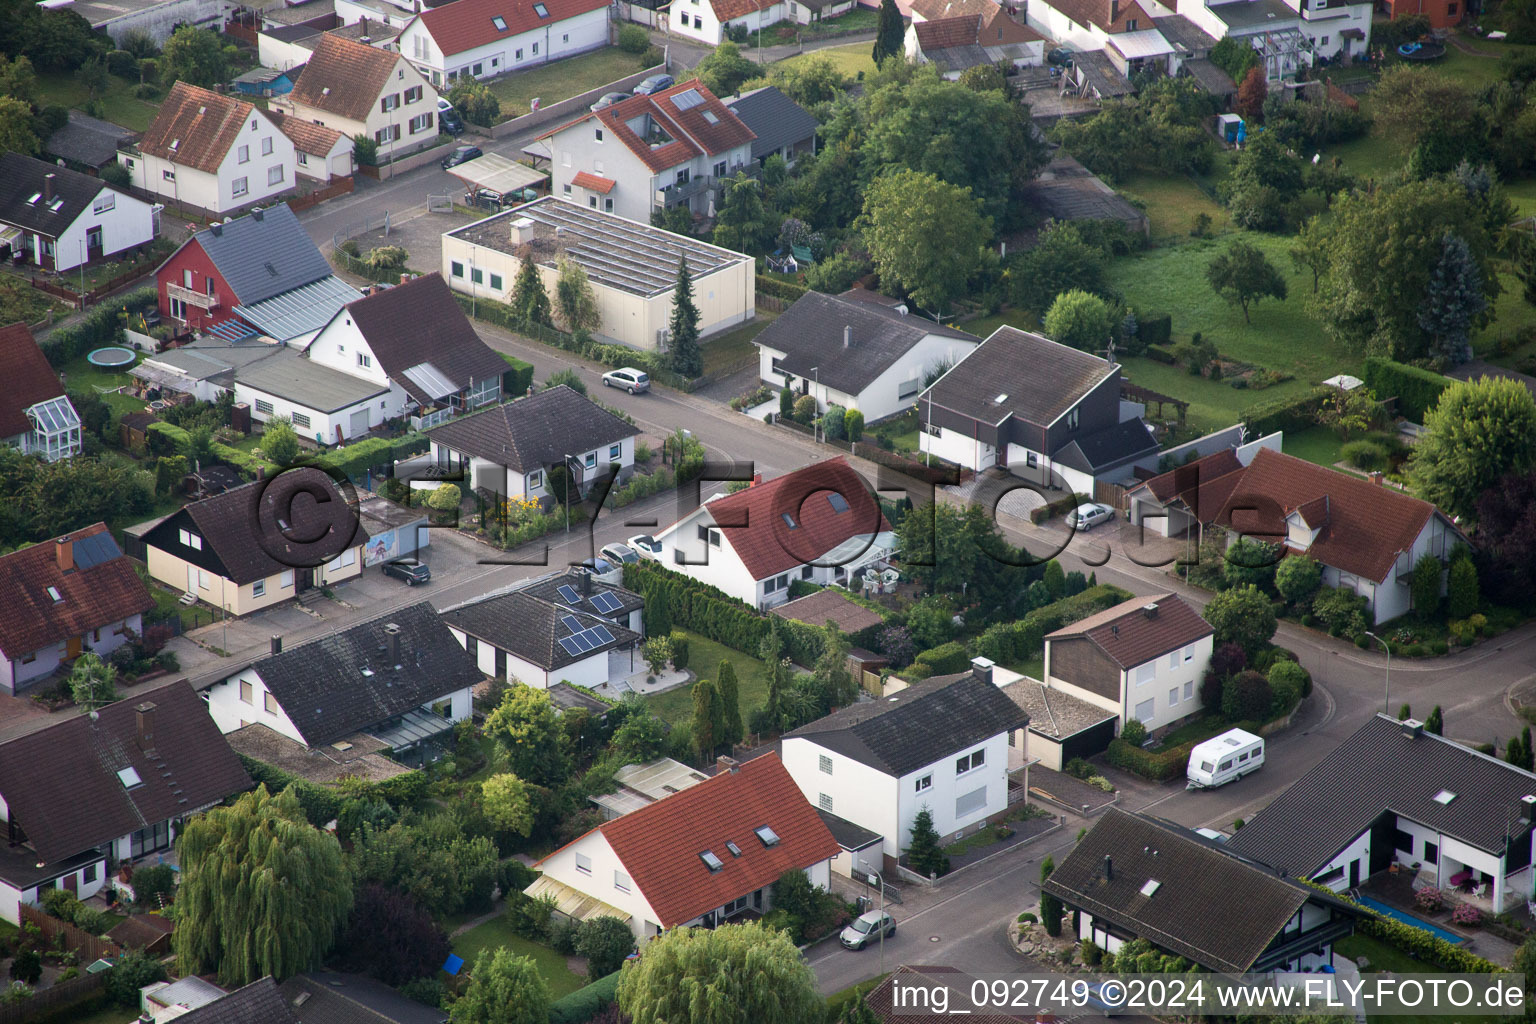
{"points": [[627, 377], [1086, 517], [644, 545], [867, 928]]}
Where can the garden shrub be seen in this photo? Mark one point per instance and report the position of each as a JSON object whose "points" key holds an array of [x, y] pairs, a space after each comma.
{"points": [[586, 1002], [1366, 454], [943, 659], [1288, 414], [1170, 764], [1417, 390]]}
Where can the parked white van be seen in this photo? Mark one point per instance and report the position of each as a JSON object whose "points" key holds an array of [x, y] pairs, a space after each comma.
{"points": [[1223, 758]]}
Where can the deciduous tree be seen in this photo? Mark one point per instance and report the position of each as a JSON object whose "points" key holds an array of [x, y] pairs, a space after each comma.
{"points": [[723, 71], [742, 223], [735, 974], [1242, 615], [1297, 578], [391, 937], [605, 942], [1061, 261], [526, 725], [1079, 320], [924, 235], [279, 441], [503, 989], [1479, 431], [1243, 275], [195, 56], [1411, 101], [16, 135], [92, 682], [575, 298], [1252, 93], [508, 803]]}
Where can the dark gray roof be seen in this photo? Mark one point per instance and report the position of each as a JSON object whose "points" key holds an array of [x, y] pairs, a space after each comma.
{"points": [[291, 33], [1052, 712], [919, 725], [1209, 906], [1211, 78], [848, 835], [587, 589], [1039, 378], [810, 334], [1184, 34], [288, 375], [958, 58], [777, 120], [1111, 447], [1251, 13], [353, 999], [257, 1003], [263, 254], [1101, 74], [22, 177], [86, 140], [536, 431], [344, 682], [1381, 769], [531, 628]]}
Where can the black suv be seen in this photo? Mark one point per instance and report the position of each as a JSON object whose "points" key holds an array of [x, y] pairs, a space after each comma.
{"points": [[410, 570]]}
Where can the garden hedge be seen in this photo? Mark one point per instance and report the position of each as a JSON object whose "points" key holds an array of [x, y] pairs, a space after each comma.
{"points": [[1155, 329], [101, 326], [586, 1002], [1058, 507], [1161, 354], [320, 804], [1024, 638], [942, 660], [1416, 390], [1170, 764], [1416, 942], [516, 381], [780, 289], [1288, 414]]}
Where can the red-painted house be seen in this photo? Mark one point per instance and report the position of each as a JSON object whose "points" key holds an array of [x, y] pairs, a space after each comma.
{"points": [[258, 275], [1441, 13]]}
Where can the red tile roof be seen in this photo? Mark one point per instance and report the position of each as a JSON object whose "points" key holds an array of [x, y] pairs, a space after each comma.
{"points": [[1202, 487], [726, 10], [99, 595], [306, 136], [1367, 525], [752, 521], [466, 24], [660, 844], [1131, 638], [943, 33], [201, 125], [345, 78], [690, 129], [593, 182], [29, 379]]}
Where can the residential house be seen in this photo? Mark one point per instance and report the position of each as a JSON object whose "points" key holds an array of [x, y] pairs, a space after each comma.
{"points": [[35, 414], [1086, 25], [1395, 796], [86, 143], [631, 266], [1288, 35], [808, 12], [940, 745], [510, 449], [1441, 13], [256, 276], [170, 1000], [1368, 538], [783, 127], [75, 594], [819, 523], [1046, 412], [1142, 659], [1134, 876], [62, 219], [414, 340], [1061, 726], [215, 550], [486, 38], [358, 89], [264, 81], [963, 41], [933, 10], [652, 152], [640, 785], [398, 677], [696, 858], [88, 793], [326, 997], [211, 151], [320, 153], [563, 628], [709, 21], [1182, 501], [856, 354], [259, 1001], [1338, 29]]}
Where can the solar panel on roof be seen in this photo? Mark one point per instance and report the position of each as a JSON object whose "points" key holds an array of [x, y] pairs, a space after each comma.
{"points": [[568, 594], [601, 635], [570, 648], [571, 623], [94, 550], [687, 99], [606, 602]]}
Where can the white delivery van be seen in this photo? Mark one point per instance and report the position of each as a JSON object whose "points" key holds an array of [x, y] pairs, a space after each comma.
{"points": [[1223, 758]]}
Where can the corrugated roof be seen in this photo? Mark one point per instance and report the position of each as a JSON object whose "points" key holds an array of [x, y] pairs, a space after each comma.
{"points": [[303, 310]]}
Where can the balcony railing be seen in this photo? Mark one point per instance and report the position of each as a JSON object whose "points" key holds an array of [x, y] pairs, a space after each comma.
{"points": [[191, 298], [671, 195]]}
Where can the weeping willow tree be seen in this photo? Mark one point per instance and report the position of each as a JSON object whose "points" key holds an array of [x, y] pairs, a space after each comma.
{"points": [[736, 974], [262, 891]]}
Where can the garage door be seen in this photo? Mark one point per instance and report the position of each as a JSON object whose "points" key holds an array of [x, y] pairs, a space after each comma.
{"points": [[359, 423]]}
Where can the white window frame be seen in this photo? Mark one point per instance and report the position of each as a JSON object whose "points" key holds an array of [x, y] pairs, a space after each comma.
{"points": [[924, 783], [259, 588], [583, 862]]}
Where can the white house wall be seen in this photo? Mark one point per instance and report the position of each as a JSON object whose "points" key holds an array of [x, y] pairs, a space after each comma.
{"points": [[1359, 850], [189, 186], [953, 446], [1048, 21], [230, 712], [14, 672], [323, 426], [860, 794], [599, 882], [1165, 678], [947, 787], [724, 568], [127, 223], [544, 44], [280, 54], [695, 19]]}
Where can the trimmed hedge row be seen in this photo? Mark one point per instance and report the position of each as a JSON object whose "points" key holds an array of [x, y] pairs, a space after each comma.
{"points": [[942, 660], [1170, 764], [1155, 330], [780, 289], [1417, 390], [1289, 414], [586, 1002], [352, 461], [1024, 638], [1161, 354], [516, 381], [101, 326], [320, 804], [1056, 508]]}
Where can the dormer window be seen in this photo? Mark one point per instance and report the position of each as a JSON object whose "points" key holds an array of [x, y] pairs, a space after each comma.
{"points": [[711, 861], [500, 23]]}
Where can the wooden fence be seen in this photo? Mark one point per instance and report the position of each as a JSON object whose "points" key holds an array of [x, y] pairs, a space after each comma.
{"points": [[58, 997], [770, 303], [87, 947], [102, 290], [339, 187]]}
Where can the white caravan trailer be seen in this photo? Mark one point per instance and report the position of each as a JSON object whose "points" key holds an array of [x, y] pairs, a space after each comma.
{"points": [[1223, 758]]}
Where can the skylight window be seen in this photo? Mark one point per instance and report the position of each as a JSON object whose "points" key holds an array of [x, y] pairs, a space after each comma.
{"points": [[735, 850], [175, 143], [709, 115], [767, 835], [838, 502], [541, 10], [53, 592], [711, 861], [54, 206], [500, 23], [687, 99], [1000, 399], [1151, 887], [129, 777], [1444, 797], [789, 520], [34, 198]]}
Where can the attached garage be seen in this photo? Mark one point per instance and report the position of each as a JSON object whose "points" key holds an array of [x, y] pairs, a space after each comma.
{"points": [[1061, 726]]}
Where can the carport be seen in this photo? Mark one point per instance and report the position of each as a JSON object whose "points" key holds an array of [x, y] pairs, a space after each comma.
{"points": [[504, 178]]}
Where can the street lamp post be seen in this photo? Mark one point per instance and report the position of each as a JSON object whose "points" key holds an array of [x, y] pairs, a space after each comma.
{"points": [[816, 416], [1386, 701], [879, 878]]}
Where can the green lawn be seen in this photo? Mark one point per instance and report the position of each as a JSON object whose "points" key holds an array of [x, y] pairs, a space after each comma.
{"points": [[20, 302], [734, 345], [1172, 204], [1213, 404], [1032, 667], [82, 376], [1315, 444], [106, 270], [169, 604], [498, 933], [985, 325], [704, 657], [859, 19], [852, 60], [1383, 957], [118, 104], [563, 79]]}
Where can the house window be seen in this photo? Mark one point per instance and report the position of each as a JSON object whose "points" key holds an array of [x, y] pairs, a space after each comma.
{"points": [[1189, 653], [1173, 660], [1173, 696], [1072, 418], [583, 863], [269, 702], [825, 802], [1130, 25], [607, 204], [968, 804], [480, 68], [168, 175], [565, 38], [536, 45], [190, 540], [204, 581], [263, 407], [1189, 691], [500, 23], [390, 102], [826, 764], [615, 452], [420, 123], [476, 275], [925, 783], [566, 189], [364, 360], [413, 94], [303, 159], [259, 588], [390, 134], [518, 55], [1144, 711], [148, 840], [243, 155], [621, 881], [106, 200], [591, 460], [301, 420], [1146, 673], [1431, 853], [456, 268], [286, 579], [240, 186], [1323, 41], [88, 874], [806, 571], [247, 692], [598, 134], [275, 173], [496, 282], [970, 762], [266, 147], [535, 480], [592, 201], [698, 22], [720, 169]]}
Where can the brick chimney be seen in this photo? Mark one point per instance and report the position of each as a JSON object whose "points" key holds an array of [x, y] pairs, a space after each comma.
{"points": [[725, 764], [392, 630], [64, 551], [48, 187], [982, 667], [144, 717], [277, 644]]}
